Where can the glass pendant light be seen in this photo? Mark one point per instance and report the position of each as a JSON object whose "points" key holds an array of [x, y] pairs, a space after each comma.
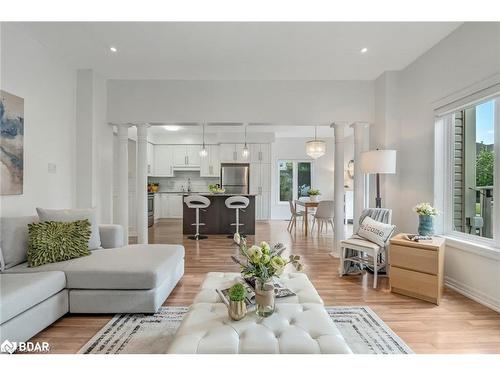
{"points": [[203, 152], [246, 152], [316, 148]]}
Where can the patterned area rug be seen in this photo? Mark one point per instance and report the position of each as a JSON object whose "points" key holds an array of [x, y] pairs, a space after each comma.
{"points": [[362, 329]]}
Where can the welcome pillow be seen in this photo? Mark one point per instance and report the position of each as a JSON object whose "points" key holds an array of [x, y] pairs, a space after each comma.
{"points": [[55, 241], [375, 231]]}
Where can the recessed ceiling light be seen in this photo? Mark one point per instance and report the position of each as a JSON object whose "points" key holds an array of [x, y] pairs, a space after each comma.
{"points": [[113, 49], [364, 50], [172, 128]]}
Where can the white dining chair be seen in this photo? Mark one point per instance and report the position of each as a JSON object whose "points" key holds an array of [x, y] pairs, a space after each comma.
{"points": [[323, 215], [294, 215]]}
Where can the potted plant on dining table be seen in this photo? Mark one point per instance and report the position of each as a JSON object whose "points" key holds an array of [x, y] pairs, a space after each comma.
{"points": [[263, 262], [313, 194]]}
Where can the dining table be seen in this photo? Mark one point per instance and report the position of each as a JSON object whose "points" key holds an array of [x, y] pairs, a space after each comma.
{"points": [[306, 204]]}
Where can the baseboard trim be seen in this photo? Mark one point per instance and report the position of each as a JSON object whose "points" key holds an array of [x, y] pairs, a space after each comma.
{"points": [[472, 293]]}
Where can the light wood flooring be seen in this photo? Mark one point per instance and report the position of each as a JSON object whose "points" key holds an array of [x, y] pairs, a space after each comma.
{"points": [[458, 325]]}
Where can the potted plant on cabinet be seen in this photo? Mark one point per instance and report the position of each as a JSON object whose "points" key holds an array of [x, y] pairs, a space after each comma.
{"points": [[426, 215]]}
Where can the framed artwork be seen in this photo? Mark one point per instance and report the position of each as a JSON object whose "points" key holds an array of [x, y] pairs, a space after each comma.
{"points": [[11, 144]]}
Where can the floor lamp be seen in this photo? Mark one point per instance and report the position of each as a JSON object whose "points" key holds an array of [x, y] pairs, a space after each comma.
{"points": [[378, 162]]}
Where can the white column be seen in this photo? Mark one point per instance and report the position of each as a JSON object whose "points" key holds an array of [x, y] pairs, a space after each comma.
{"points": [[359, 185], [142, 184], [122, 183], [339, 212]]}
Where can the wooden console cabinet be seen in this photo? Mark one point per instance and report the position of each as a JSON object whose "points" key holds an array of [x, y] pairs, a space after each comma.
{"points": [[416, 268]]}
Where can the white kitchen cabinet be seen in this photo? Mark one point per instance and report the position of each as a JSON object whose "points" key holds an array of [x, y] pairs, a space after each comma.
{"points": [[186, 155], [163, 163], [260, 184], [171, 206], [193, 155], [210, 165], [226, 152], [265, 153], [157, 208], [151, 156], [260, 153], [179, 155], [175, 203], [164, 206], [263, 206], [233, 153]]}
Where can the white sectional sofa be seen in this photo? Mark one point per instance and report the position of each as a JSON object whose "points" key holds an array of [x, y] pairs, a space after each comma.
{"points": [[113, 279]]}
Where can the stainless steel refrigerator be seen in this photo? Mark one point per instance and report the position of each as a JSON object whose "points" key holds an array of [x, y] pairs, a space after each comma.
{"points": [[234, 178]]}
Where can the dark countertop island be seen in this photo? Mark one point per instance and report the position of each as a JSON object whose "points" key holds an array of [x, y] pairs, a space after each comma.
{"points": [[218, 218]]}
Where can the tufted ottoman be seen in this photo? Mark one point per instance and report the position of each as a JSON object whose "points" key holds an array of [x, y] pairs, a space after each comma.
{"points": [[292, 329], [297, 282]]}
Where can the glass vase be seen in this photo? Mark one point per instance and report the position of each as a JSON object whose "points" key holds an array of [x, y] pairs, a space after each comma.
{"points": [[425, 225], [264, 297]]}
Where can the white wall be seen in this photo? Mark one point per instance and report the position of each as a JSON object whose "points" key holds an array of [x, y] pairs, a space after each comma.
{"points": [[94, 152], [289, 102], [468, 55], [47, 85]]}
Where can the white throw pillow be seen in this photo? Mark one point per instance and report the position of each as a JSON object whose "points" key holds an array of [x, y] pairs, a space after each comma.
{"points": [[375, 231], [74, 215]]}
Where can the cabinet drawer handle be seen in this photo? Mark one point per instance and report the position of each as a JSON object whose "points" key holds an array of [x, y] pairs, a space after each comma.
{"points": [[260, 155]]}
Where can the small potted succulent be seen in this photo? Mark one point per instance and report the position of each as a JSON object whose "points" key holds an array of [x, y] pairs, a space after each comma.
{"points": [[426, 215], [314, 194], [237, 306]]}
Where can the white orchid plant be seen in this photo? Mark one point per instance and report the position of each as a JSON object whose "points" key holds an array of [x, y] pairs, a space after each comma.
{"points": [[263, 261], [425, 209]]}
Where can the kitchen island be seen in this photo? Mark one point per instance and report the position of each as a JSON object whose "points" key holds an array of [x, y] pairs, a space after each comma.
{"points": [[218, 218]]}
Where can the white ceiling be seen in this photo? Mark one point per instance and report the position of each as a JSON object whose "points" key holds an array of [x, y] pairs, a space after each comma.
{"points": [[240, 51], [279, 130]]}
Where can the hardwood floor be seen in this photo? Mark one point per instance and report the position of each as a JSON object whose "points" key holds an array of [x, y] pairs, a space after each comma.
{"points": [[458, 325]]}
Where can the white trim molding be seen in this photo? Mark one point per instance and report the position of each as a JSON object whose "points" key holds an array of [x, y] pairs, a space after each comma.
{"points": [[472, 293]]}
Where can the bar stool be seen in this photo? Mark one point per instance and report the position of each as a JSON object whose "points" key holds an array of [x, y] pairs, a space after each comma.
{"points": [[237, 203], [197, 202]]}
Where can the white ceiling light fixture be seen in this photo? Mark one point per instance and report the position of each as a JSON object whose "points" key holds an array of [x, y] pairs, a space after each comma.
{"points": [[364, 50], [203, 151], [316, 148], [172, 128], [113, 49], [246, 152]]}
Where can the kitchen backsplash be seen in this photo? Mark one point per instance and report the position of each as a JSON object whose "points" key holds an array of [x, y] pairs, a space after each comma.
{"points": [[180, 180]]}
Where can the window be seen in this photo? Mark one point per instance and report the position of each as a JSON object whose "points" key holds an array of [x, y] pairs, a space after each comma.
{"points": [[466, 162], [295, 179], [473, 169]]}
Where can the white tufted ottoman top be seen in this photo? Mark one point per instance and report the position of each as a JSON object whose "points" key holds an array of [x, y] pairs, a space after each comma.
{"points": [[292, 329], [297, 282]]}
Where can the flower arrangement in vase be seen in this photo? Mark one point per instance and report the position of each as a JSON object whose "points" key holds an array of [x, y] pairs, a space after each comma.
{"points": [[237, 307], [263, 262], [314, 194], [426, 215]]}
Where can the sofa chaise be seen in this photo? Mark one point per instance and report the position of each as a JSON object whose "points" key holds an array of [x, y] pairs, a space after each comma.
{"points": [[113, 279]]}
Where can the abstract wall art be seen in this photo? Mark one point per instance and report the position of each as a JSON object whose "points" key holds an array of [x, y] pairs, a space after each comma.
{"points": [[11, 144]]}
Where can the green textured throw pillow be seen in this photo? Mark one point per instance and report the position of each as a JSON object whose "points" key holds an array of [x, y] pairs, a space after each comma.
{"points": [[55, 241]]}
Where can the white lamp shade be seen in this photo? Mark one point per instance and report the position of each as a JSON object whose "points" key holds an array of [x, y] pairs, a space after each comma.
{"points": [[316, 148], [378, 161]]}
